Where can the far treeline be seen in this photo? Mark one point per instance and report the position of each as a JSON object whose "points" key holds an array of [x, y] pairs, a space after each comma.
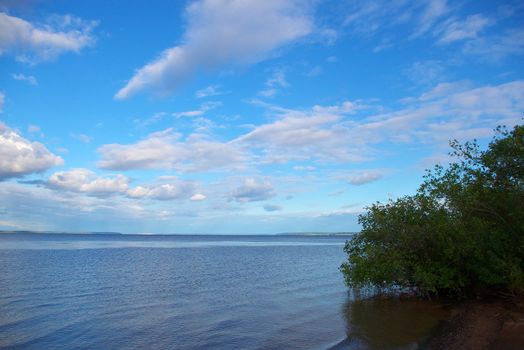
{"points": [[460, 235]]}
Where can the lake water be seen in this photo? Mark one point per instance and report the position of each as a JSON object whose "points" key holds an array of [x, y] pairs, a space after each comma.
{"points": [[64, 291]]}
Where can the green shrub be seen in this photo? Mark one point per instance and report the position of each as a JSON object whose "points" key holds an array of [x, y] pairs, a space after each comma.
{"points": [[461, 234]]}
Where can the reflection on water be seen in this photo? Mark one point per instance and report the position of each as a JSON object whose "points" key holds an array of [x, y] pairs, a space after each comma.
{"points": [[391, 323], [196, 292]]}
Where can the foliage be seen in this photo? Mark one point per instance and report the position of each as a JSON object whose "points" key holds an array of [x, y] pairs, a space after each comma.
{"points": [[461, 234]]}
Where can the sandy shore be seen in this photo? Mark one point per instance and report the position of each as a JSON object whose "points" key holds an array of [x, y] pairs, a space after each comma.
{"points": [[494, 324]]}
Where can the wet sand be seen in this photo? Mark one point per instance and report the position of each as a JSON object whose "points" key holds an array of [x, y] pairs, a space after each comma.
{"points": [[494, 325]]}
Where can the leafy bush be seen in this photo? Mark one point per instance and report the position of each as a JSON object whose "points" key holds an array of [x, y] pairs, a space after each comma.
{"points": [[461, 234]]}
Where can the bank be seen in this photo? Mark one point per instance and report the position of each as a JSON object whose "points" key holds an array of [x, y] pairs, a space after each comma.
{"points": [[494, 324]]}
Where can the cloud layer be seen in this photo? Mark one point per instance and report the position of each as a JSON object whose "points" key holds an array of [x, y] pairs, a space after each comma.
{"points": [[341, 133], [222, 32], [167, 150]]}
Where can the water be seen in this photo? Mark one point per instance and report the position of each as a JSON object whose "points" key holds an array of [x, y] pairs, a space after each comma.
{"points": [[185, 292]]}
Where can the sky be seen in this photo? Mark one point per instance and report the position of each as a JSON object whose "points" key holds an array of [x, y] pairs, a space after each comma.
{"points": [[241, 116]]}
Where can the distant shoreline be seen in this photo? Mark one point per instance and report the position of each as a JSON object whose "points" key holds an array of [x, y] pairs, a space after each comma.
{"points": [[313, 234]]}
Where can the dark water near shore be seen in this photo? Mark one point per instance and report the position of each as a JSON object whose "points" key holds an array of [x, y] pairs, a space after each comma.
{"points": [[191, 292]]}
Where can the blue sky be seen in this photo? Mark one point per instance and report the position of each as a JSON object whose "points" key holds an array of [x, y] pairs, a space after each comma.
{"points": [[223, 116]]}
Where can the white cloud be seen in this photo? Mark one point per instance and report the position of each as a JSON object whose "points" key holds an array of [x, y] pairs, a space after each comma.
{"points": [[222, 32], [346, 107], [212, 90], [253, 191], [31, 80], [164, 189], [434, 10], [197, 197], [442, 90], [342, 133], [32, 42], [450, 110], [364, 177], [51, 209], [276, 82], [19, 156], [319, 134], [331, 134], [436, 20], [469, 28], [367, 18], [86, 181], [205, 107], [2, 100], [166, 150]]}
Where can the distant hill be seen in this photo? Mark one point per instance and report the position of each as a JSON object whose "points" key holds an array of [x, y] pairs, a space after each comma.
{"points": [[58, 232]]}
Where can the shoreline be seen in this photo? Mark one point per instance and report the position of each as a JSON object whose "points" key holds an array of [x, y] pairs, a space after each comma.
{"points": [[496, 324]]}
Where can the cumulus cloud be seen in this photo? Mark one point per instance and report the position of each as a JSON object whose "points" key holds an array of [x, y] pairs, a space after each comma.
{"points": [[37, 42], [325, 134], [19, 156], [318, 134], [222, 32], [31, 80], [253, 191], [166, 150], [86, 181], [165, 189]]}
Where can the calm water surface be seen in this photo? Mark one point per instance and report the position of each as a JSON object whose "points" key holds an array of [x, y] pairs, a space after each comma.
{"points": [[190, 292]]}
